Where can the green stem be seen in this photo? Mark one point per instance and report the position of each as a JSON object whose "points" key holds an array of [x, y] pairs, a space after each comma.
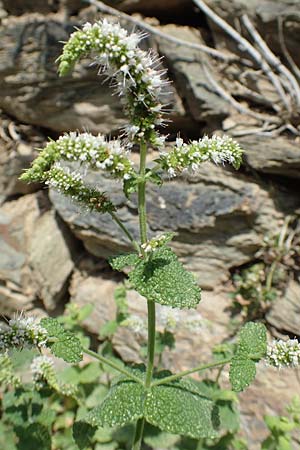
{"points": [[151, 342], [139, 428], [112, 364], [190, 371], [125, 231], [142, 194], [138, 436]]}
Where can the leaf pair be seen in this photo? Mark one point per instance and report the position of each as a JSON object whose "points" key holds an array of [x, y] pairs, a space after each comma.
{"points": [[251, 348], [179, 407], [161, 278]]}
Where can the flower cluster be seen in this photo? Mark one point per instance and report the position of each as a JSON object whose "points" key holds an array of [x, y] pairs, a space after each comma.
{"points": [[40, 366], [284, 353], [70, 184], [136, 324], [94, 151], [22, 332], [189, 156], [7, 371], [134, 71], [157, 242]]}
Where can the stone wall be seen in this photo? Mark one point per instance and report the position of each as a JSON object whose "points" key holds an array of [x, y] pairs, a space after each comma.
{"points": [[51, 253]]}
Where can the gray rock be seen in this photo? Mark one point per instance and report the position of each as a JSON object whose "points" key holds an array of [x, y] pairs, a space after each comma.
{"points": [[19, 7], [285, 313], [191, 80], [279, 157], [35, 260], [219, 219], [50, 259]]}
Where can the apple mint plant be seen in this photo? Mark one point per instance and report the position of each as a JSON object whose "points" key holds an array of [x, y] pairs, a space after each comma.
{"points": [[140, 394]]}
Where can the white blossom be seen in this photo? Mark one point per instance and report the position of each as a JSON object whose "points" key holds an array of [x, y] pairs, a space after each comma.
{"points": [[22, 332], [284, 353]]}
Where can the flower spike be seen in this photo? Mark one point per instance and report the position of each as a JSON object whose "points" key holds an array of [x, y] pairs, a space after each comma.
{"points": [[134, 71], [189, 156]]}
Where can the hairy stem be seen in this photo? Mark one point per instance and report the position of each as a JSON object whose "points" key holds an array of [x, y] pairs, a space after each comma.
{"points": [[190, 371], [138, 436], [139, 428], [109, 363]]}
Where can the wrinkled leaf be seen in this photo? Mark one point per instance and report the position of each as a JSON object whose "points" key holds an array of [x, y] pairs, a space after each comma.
{"points": [[164, 280], [119, 262], [66, 345]]}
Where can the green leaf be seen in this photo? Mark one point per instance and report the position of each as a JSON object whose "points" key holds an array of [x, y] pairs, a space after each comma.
{"points": [[155, 438], [164, 280], [123, 404], [119, 262], [253, 340], [108, 329], [66, 345], [34, 436], [181, 408], [130, 186], [83, 434], [242, 373], [251, 347]]}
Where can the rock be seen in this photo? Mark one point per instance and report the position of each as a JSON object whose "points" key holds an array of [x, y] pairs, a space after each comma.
{"points": [[279, 157], [219, 219], [191, 80], [17, 144], [50, 259], [285, 313], [19, 7], [155, 7], [35, 261], [31, 91], [94, 289]]}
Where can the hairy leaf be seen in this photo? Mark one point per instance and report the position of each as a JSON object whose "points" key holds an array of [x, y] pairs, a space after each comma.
{"points": [[119, 262], [253, 340], [164, 280], [83, 434], [251, 347], [181, 408], [123, 404], [65, 344], [33, 436]]}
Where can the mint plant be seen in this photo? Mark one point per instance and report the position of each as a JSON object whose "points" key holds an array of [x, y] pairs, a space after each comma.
{"points": [[141, 395]]}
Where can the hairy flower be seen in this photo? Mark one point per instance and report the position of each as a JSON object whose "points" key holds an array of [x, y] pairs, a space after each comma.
{"points": [[284, 353], [70, 184], [93, 151], [22, 332], [189, 156], [40, 366], [157, 242], [134, 71]]}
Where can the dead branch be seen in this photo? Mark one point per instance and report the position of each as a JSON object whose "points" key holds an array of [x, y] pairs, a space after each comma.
{"points": [[285, 51], [272, 59], [246, 46], [236, 105]]}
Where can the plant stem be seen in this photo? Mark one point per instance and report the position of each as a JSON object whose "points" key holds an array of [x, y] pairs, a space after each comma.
{"points": [[138, 436], [125, 231], [190, 371], [139, 428], [142, 194], [112, 364], [151, 342]]}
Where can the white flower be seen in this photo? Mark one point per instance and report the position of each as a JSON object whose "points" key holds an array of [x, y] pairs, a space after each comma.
{"points": [[284, 353], [22, 332]]}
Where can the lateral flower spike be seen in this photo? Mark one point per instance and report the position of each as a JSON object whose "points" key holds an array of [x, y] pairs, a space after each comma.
{"points": [[93, 151], [22, 332], [134, 71], [282, 353], [71, 185], [188, 157], [157, 242]]}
